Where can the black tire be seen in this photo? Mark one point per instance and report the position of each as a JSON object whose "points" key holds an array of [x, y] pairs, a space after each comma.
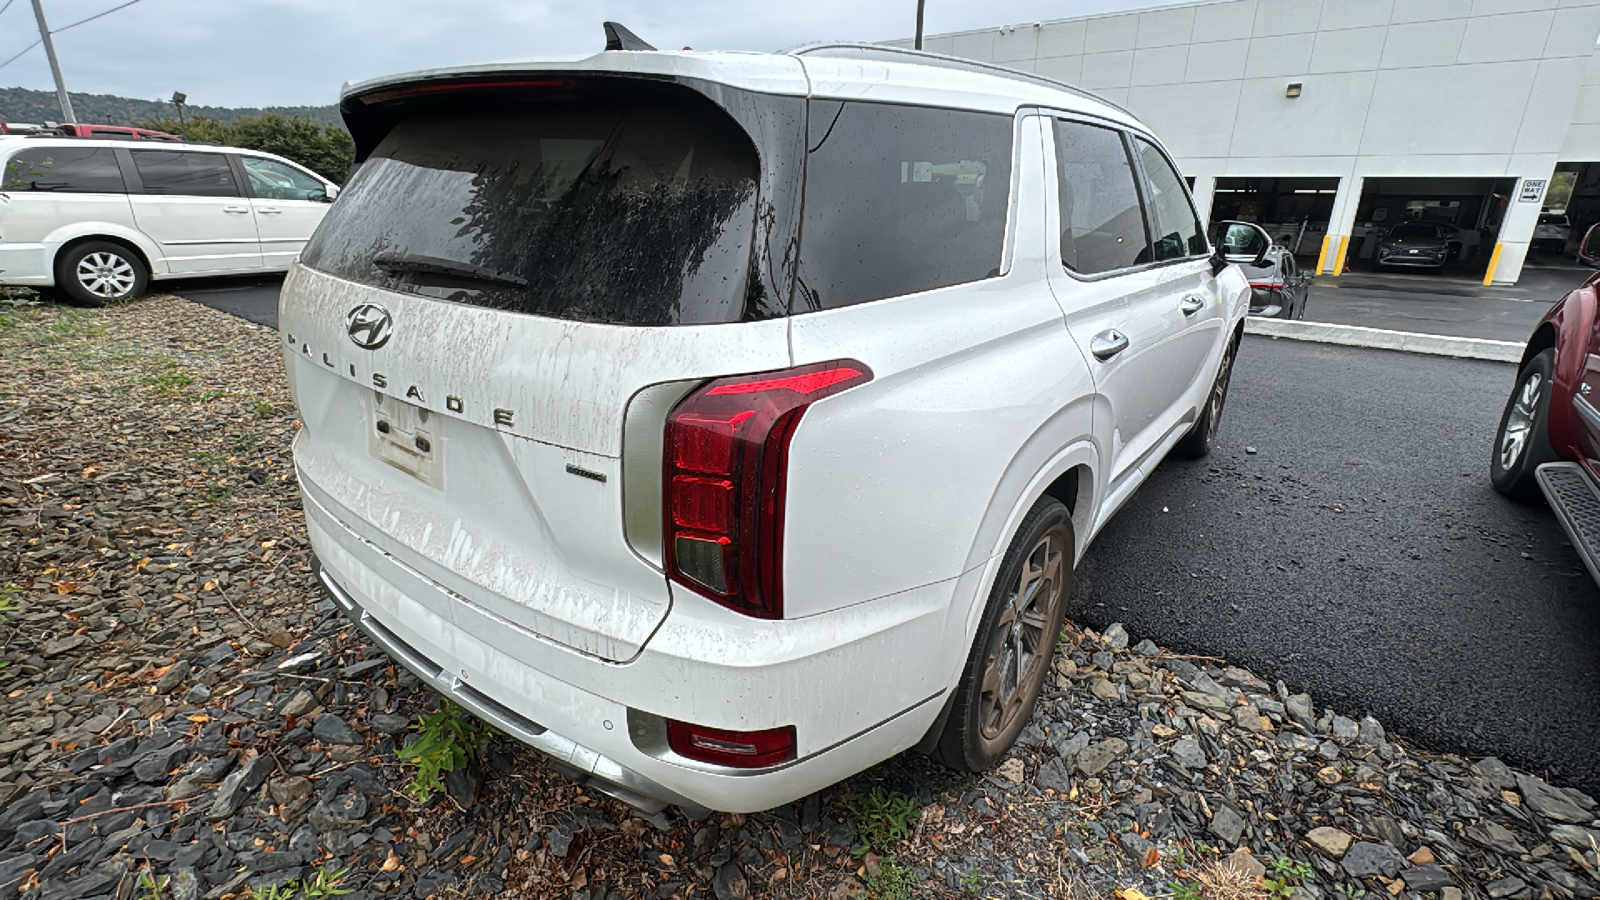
{"points": [[100, 272], [1527, 415], [1197, 443], [1036, 572]]}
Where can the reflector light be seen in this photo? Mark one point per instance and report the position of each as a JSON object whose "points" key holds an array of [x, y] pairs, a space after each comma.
{"points": [[738, 749], [1267, 285], [726, 464]]}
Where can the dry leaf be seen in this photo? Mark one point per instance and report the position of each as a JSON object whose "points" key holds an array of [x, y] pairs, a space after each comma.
{"points": [[390, 864], [66, 587]]}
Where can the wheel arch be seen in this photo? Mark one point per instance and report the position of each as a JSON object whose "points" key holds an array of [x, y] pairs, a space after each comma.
{"points": [[120, 240]]}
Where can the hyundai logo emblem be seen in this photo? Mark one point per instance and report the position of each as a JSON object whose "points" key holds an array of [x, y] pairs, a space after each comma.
{"points": [[369, 326]]}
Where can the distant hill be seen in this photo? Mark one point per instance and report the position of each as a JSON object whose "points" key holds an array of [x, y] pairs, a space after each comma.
{"points": [[24, 105]]}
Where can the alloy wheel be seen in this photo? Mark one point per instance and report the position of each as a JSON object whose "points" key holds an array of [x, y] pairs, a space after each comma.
{"points": [[1219, 394], [1519, 420], [1019, 647], [106, 275]]}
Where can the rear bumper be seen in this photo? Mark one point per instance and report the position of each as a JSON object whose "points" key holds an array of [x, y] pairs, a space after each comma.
{"points": [[1419, 260], [26, 264], [603, 723]]}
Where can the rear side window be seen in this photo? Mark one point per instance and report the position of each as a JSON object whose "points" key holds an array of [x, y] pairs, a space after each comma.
{"points": [[70, 170], [900, 199], [180, 172], [1172, 219], [1102, 229], [630, 209]]}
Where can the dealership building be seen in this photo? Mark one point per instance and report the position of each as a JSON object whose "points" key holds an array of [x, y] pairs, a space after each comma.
{"points": [[1329, 121]]}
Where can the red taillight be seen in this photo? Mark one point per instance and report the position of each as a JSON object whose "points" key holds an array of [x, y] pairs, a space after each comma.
{"points": [[444, 86], [726, 463], [740, 749], [1267, 285]]}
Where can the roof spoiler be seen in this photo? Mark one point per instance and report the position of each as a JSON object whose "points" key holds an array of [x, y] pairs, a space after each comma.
{"points": [[620, 38]]}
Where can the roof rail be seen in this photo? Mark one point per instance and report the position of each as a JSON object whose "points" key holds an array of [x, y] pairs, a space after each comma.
{"points": [[900, 54]]}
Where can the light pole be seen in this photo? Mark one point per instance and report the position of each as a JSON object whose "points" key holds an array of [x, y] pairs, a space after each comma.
{"points": [[920, 4], [55, 67], [178, 99]]}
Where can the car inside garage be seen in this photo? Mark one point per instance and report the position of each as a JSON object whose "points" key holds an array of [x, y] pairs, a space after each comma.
{"points": [[1445, 227], [1294, 211]]}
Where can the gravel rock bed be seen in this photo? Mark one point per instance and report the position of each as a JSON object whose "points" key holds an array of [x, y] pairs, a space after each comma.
{"points": [[181, 704]]}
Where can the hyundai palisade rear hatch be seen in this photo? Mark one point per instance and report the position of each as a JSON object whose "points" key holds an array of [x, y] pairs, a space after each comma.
{"points": [[514, 261]]}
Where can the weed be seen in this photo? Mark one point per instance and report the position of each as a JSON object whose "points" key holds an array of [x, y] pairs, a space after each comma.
{"points": [[263, 408], [153, 887], [218, 492], [891, 881], [1349, 891], [1222, 880], [1176, 856], [208, 396], [1183, 890], [446, 740], [323, 885], [8, 603], [171, 379], [13, 303], [881, 817], [973, 881], [243, 441]]}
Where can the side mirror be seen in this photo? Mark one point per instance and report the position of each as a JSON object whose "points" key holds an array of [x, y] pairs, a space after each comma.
{"points": [[330, 192], [1590, 248], [1240, 242]]}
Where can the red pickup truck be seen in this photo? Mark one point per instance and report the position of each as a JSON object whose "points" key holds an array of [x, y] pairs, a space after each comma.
{"points": [[1549, 439]]}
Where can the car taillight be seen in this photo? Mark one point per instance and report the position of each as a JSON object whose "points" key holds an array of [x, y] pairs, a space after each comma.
{"points": [[740, 749], [726, 463], [1267, 285]]}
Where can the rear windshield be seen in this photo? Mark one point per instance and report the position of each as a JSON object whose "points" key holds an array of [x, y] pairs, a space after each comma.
{"points": [[69, 170], [624, 211], [1414, 232]]}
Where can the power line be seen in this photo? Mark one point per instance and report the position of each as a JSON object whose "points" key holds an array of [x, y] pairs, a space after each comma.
{"points": [[91, 18], [19, 55], [36, 43]]}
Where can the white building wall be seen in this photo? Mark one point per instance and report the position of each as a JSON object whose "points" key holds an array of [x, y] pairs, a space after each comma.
{"points": [[1426, 88]]}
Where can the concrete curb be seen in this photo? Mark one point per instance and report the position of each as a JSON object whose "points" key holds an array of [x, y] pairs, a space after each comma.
{"points": [[1383, 339]]}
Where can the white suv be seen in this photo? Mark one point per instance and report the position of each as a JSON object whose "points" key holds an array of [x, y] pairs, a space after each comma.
{"points": [[100, 219], [722, 424]]}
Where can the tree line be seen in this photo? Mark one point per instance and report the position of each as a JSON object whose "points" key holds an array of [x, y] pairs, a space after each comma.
{"points": [[323, 149]]}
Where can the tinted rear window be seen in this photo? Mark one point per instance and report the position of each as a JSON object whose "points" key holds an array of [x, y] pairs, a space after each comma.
{"points": [[899, 200], [1414, 232], [73, 170], [621, 210]]}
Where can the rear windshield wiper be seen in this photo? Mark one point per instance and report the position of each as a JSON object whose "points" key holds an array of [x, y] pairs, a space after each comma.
{"points": [[395, 263]]}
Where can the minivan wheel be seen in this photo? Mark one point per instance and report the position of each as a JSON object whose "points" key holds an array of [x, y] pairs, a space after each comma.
{"points": [[1522, 443], [1015, 642], [1197, 443], [100, 272]]}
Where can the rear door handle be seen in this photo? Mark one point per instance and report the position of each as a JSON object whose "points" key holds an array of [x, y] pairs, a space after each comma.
{"points": [[1192, 304], [1107, 344], [236, 210], [268, 210]]}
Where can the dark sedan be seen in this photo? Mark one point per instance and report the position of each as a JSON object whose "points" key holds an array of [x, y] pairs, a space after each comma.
{"points": [[1419, 244]]}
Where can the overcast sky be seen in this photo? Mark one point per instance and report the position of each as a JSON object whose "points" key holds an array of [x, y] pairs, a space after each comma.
{"points": [[296, 52]]}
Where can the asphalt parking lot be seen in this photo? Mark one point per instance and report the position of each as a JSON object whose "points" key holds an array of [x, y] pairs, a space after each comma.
{"points": [[1358, 552], [1432, 304]]}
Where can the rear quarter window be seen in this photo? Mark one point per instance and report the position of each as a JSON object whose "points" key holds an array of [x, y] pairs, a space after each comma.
{"points": [[69, 170], [900, 199]]}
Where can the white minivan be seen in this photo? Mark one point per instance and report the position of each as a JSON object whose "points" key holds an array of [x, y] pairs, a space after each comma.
{"points": [[100, 219], [722, 424]]}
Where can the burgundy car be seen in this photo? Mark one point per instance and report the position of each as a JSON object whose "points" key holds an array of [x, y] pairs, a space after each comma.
{"points": [[1549, 439]]}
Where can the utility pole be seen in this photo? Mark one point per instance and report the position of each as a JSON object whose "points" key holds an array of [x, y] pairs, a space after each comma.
{"points": [[55, 67], [920, 4]]}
